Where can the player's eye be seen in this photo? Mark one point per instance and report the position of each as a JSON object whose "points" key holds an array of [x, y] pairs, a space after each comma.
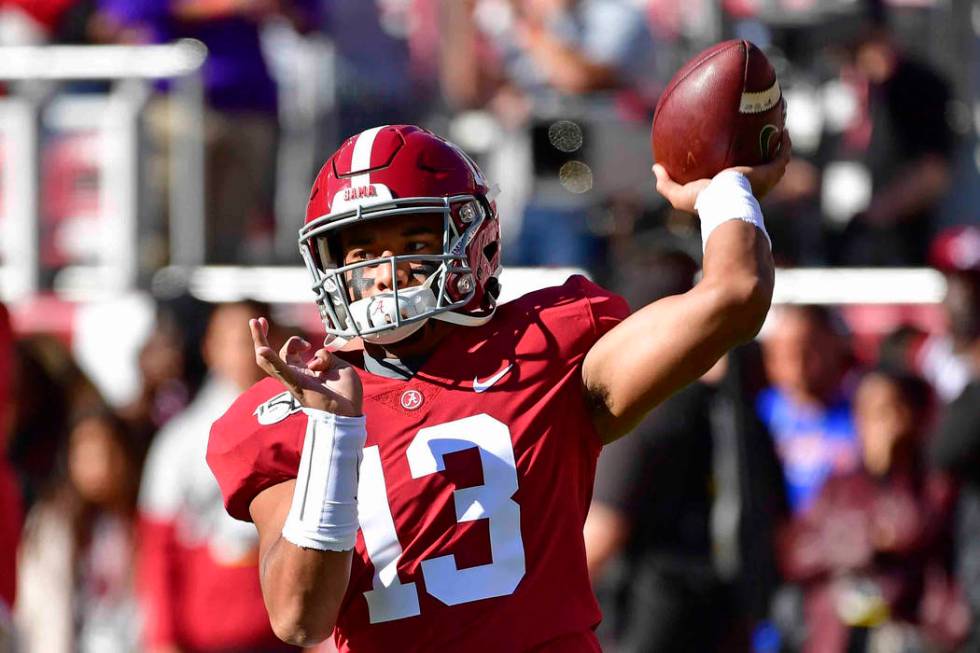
{"points": [[359, 255], [417, 246]]}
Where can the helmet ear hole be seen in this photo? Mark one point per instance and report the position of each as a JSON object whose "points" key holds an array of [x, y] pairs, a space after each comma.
{"points": [[333, 248], [493, 288], [491, 250], [327, 252]]}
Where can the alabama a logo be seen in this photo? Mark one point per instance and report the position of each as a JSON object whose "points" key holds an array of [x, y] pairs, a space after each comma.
{"points": [[412, 399], [277, 409]]}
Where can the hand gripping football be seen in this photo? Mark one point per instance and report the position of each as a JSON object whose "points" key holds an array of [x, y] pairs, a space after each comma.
{"points": [[723, 108]]}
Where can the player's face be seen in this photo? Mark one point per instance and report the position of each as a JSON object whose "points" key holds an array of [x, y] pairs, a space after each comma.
{"points": [[405, 235]]}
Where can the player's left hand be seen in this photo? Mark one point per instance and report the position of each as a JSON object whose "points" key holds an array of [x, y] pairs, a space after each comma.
{"points": [[762, 177], [326, 382]]}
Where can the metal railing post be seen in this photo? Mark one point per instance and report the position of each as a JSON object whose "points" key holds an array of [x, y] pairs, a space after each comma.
{"points": [[134, 67], [120, 127], [187, 173], [19, 124]]}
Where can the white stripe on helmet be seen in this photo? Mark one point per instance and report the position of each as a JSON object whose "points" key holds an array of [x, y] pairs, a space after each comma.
{"points": [[361, 158]]}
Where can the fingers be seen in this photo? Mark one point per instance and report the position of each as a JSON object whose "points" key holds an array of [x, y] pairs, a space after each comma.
{"points": [[322, 361], [292, 349], [260, 332], [670, 189], [765, 176], [268, 360], [785, 148], [774, 171], [260, 340], [665, 185]]}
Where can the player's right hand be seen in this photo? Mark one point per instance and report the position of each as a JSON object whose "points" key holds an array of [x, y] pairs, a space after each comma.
{"points": [[762, 177], [326, 382], [765, 177]]}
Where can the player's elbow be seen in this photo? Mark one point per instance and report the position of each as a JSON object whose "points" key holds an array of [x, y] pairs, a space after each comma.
{"points": [[301, 620], [744, 304], [299, 627]]}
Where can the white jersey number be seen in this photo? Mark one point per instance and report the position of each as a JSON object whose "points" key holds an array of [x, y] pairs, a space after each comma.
{"points": [[391, 599]]}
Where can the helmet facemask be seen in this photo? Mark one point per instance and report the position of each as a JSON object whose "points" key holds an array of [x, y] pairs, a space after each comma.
{"points": [[391, 316]]}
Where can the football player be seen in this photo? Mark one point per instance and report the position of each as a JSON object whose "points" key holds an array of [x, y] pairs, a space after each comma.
{"points": [[421, 484]]}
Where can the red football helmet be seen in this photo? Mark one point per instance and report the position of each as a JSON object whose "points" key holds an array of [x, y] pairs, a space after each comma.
{"points": [[392, 171]]}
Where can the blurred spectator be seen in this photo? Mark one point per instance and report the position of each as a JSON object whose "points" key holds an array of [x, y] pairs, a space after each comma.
{"points": [[691, 500], [10, 497], [376, 82], [7, 640], [170, 364], [10, 530], [241, 123], [863, 548], [688, 502], [533, 62], [198, 579], [49, 388], [808, 407], [76, 559], [32, 22], [945, 359], [901, 142], [956, 444]]}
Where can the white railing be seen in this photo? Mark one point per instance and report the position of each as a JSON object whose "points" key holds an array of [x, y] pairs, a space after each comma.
{"points": [[793, 286], [32, 74], [81, 62]]}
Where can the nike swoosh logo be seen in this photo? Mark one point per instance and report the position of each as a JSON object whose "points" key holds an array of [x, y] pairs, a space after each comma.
{"points": [[483, 386]]}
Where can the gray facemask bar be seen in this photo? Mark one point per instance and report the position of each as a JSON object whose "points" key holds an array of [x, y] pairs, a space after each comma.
{"points": [[335, 276]]}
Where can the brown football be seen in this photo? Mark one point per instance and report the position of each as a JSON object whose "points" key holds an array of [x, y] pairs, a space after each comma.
{"points": [[722, 108]]}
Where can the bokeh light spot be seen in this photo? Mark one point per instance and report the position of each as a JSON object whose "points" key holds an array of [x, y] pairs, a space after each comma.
{"points": [[576, 177], [565, 135]]}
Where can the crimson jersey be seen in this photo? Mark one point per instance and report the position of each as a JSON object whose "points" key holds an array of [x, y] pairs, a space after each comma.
{"points": [[474, 486]]}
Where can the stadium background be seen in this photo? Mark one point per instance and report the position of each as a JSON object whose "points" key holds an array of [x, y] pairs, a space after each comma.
{"points": [[149, 172]]}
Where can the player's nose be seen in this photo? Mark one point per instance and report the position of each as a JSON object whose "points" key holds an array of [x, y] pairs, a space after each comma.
{"points": [[389, 271]]}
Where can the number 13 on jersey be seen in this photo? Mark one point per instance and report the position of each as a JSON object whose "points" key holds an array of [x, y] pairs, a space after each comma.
{"points": [[391, 599]]}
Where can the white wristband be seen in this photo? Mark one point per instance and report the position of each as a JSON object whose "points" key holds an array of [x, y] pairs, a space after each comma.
{"points": [[728, 197], [323, 514]]}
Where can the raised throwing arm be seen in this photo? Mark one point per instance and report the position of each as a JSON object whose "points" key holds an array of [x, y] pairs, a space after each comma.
{"points": [[670, 343]]}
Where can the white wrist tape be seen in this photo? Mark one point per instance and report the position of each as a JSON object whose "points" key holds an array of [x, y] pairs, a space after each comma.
{"points": [[728, 197], [323, 514]]}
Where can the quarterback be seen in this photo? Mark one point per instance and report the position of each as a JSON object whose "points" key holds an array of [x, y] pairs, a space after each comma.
{"points": [[420, 482]]}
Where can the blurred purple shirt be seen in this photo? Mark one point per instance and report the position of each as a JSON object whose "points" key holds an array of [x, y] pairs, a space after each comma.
{"points": [[236, 77]]}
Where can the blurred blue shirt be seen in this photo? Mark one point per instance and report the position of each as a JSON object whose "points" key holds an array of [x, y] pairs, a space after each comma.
{"points": [[812, 443]]}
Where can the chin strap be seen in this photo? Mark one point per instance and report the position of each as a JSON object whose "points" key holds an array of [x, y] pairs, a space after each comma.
{"points": [[463, 319]]}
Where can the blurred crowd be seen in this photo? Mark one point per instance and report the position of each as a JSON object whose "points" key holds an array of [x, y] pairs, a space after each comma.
{"points": [[798, 499], [554, 98], [813, 492]]}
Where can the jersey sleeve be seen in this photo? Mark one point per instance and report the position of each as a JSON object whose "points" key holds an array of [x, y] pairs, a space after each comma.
{"points": [[605, 308], [256, 444], [570, 317]]}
